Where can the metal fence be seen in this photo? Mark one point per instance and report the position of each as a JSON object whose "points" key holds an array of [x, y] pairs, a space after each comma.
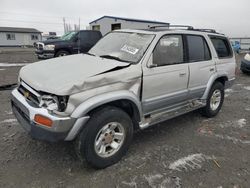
{"points": [[244, 42]]}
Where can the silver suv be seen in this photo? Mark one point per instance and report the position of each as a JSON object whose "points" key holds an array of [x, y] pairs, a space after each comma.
{"points": [[131, 79]]}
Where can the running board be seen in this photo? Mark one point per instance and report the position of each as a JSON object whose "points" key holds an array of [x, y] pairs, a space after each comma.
{"points": [[169, 114]]}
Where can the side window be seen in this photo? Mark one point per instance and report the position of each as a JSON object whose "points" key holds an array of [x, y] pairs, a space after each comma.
{"points": [[169, 50], [95, 36], [222, 47], [197, 49], [85, 36], [11, 36]]}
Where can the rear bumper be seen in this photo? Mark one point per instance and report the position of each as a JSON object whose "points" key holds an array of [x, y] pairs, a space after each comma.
{"points": [[25, 114]]}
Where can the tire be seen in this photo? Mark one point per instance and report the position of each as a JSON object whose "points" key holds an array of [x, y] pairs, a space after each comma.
{"points": [[61, 53], [95, 132], [212, 107]]}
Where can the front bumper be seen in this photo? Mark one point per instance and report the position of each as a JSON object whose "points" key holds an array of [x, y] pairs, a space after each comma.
{"points": [[25, 113], [45, 54]]}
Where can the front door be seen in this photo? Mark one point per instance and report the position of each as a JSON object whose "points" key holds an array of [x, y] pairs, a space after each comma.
{"points": [[165, 78]]}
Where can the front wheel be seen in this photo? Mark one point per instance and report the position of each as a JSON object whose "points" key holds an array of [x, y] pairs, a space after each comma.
{"points": [[214, 101], [61, 53], [106, 138]]}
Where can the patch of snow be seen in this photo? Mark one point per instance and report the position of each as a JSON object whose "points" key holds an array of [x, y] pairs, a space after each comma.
{"points": [[13, 64], [247, 88], [229, 90], [233, 139], [130, 184], [171, 182], [247, 109], [8, 112], [226, 137], [242, 122], [11, 121], [152, 179], [190, 162], [2, 69]]}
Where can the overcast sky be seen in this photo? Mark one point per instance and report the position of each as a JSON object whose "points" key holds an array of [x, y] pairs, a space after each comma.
{"points": [[231, 17]]}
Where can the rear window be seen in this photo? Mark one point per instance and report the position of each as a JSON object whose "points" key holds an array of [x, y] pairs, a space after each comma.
{"points": [[197, 48], [222, 47]]}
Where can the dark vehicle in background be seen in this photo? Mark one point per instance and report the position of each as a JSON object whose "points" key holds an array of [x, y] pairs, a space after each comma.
{"points": [[71, 43], [245, 64]]}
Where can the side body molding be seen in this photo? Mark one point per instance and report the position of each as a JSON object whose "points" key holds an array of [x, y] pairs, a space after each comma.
{"points": [[105, 98], [211, 82]]}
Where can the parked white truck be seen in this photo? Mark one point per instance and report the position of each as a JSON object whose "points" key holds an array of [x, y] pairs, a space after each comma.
{"points": [[131, 79]]}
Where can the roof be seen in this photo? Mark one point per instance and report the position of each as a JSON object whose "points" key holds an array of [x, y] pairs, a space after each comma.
{"points": [[129, 19], [19, 30]]}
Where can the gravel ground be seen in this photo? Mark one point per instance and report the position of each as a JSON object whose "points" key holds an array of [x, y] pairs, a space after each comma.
{"points": [[189, 151]]}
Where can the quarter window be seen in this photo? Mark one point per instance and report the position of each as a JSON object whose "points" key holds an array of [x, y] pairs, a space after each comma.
{"points": [[197, 49], [10, 36], [169, 50], [222, 47]]}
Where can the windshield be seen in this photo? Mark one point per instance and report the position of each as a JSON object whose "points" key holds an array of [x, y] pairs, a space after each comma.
{"points": [[128, 47], [69, 35]]}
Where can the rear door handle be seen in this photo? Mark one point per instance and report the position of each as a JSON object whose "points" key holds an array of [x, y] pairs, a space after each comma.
{"points": [[182, 74]]}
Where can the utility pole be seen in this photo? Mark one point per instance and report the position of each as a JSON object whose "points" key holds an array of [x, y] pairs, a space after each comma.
{"points": [[79, 24], [64, 25]]}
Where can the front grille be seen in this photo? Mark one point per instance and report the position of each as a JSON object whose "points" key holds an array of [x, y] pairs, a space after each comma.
{"points": [[24, 115], [28, 95]]}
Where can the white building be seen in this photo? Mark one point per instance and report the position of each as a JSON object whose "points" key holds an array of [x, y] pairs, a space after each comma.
{"points": [[12, 36], [106, 24]]}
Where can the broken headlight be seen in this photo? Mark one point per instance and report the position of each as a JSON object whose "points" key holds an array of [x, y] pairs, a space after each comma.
{"points": [[54, 103]]}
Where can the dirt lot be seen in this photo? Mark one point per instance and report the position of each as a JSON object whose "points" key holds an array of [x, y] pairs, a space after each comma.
{"points": [[189, 151]]}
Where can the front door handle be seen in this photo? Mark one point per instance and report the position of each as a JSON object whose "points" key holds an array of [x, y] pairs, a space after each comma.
{"points": [[182, 74], [212, 69]]}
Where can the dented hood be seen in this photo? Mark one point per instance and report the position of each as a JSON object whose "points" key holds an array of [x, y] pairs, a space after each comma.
{"points": [[66, 75]]}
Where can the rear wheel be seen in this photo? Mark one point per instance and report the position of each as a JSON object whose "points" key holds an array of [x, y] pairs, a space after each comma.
{"points": [[106, 138], [61, 53], [214, 101]]}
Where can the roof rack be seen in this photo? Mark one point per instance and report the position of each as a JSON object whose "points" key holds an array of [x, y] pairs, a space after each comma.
{"points": [[206, 30], [187, 27], [169, 26]]}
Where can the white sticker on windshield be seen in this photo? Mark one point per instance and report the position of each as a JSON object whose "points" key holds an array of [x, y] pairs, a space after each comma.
{"points": [[129, 49]]}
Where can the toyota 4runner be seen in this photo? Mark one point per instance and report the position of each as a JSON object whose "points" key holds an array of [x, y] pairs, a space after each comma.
{"points": [[130, 80]]}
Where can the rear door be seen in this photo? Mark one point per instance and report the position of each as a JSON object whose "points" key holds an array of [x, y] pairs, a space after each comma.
{"points": [[225, 60], [201, 65], [165, 78]]}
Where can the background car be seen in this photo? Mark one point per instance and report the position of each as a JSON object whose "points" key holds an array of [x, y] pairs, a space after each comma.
{"points": [[245, 64], [71, 43]]}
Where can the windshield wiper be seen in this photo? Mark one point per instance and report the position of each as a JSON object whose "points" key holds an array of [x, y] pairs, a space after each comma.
{"points": [[89, 54], [115, 58]]}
